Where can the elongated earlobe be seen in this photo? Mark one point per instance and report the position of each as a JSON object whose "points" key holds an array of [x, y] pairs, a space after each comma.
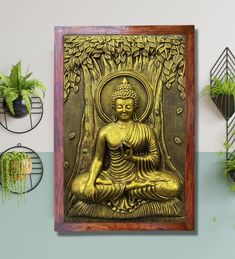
{"points": [[114, 117], [135, 117]]}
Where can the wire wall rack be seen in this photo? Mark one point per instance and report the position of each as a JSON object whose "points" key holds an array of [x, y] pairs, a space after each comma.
{"points": [[22, 125], [224, 70]]}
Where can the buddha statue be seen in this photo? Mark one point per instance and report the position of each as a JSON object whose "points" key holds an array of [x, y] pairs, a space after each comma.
{"points": [[132, 176]]}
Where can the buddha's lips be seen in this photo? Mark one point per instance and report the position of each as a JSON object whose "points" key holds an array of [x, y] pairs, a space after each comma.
{"points": [[124, 115]]}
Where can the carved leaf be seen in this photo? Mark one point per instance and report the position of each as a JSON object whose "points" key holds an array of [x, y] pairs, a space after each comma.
{"points": [[126, 47], [161, 49], [177, 59], [96, 55], [181, 50], [166, 71], [72, 62], [67, 85], [156, 63], [168, 56], [178, 141], [83, 57], [168, 64], [107, 56], [160, 59], [100, 39], [81, 48], [181, 81], [136, 53], [180, 72], [152, 44], [173, 52], [88, 50], [164, 79], [111, 48], [168, 45], [86, 44], [123, 58], [182, 95], [176, 42], [99, 46], [90, 65], [168, 85], [89, 61], [94, 40], [118, 60], [146, 47], [145, 53], [181, 64], [179, 110], [140, 45], [112, 43], [78, 79], [75, 88], [171, 78], [67, 66]]}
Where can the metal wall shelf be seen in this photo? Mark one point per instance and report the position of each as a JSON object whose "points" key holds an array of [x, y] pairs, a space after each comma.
{"points": [[22, 125]]}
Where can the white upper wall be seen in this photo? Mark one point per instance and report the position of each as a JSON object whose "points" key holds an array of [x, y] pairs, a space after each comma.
{"points": [[27, 34]]}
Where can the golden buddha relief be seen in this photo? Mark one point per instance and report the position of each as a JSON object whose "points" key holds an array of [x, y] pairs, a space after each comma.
{"points": [[124, 116]]}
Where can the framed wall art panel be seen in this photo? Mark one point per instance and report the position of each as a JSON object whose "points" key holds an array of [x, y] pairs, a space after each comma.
{"points": [[124, 128]]}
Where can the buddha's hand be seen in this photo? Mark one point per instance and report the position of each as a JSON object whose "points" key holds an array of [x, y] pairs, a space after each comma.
{"points": [[127, 151], [89, 191]]}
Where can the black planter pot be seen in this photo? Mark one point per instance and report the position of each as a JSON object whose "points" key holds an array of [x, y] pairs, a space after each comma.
{"points": [[225, 104], [19, 107]]}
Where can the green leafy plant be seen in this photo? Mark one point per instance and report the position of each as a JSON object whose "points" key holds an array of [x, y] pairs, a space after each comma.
{"points": [[14, 169], [225, 86], [229, 164], [15, 85]]}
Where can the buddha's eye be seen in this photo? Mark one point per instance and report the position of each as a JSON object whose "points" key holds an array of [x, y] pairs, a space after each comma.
{"points": [[129, 106], [119, 106]]}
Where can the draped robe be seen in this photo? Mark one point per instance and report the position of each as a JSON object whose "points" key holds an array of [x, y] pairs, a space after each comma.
{"points": [[161, 185]]}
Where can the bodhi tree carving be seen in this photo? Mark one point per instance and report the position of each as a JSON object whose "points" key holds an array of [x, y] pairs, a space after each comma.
{"points": [[89, 59]]}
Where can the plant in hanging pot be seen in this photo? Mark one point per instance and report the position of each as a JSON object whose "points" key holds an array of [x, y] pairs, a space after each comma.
{"points": [[15, 167], [222, 93], [230, 170], [228, 164], [17, 90]]}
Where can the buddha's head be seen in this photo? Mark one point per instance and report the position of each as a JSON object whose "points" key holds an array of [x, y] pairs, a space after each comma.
{"points": [[125, 101]]}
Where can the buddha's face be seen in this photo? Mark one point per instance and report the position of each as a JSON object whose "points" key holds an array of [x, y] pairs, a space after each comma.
{"points": [[124, 109]]}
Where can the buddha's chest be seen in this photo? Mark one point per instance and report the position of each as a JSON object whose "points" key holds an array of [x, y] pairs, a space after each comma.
{"points": [[115, 138]]}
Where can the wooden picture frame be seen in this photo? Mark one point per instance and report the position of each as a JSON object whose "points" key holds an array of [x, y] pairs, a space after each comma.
{"points": [[187, 219]]}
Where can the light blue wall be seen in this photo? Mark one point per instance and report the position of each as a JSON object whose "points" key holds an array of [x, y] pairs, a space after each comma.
{"points": [[27, 232]]}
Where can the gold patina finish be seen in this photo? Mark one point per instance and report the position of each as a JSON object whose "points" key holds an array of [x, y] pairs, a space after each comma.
{"points": [[122, 169], [131, 178]]}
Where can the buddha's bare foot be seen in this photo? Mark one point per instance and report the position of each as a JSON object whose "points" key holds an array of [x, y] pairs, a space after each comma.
{"points": [[136, 185], [104, 181]]}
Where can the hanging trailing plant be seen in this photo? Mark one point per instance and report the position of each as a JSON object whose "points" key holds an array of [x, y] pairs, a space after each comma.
{"points": [[15, 167]]}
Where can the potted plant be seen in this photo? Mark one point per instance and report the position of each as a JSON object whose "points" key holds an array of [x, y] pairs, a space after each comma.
{"points": [[228, 164], [222, 93], [17, 90], [14, 170], [230, 170]]}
